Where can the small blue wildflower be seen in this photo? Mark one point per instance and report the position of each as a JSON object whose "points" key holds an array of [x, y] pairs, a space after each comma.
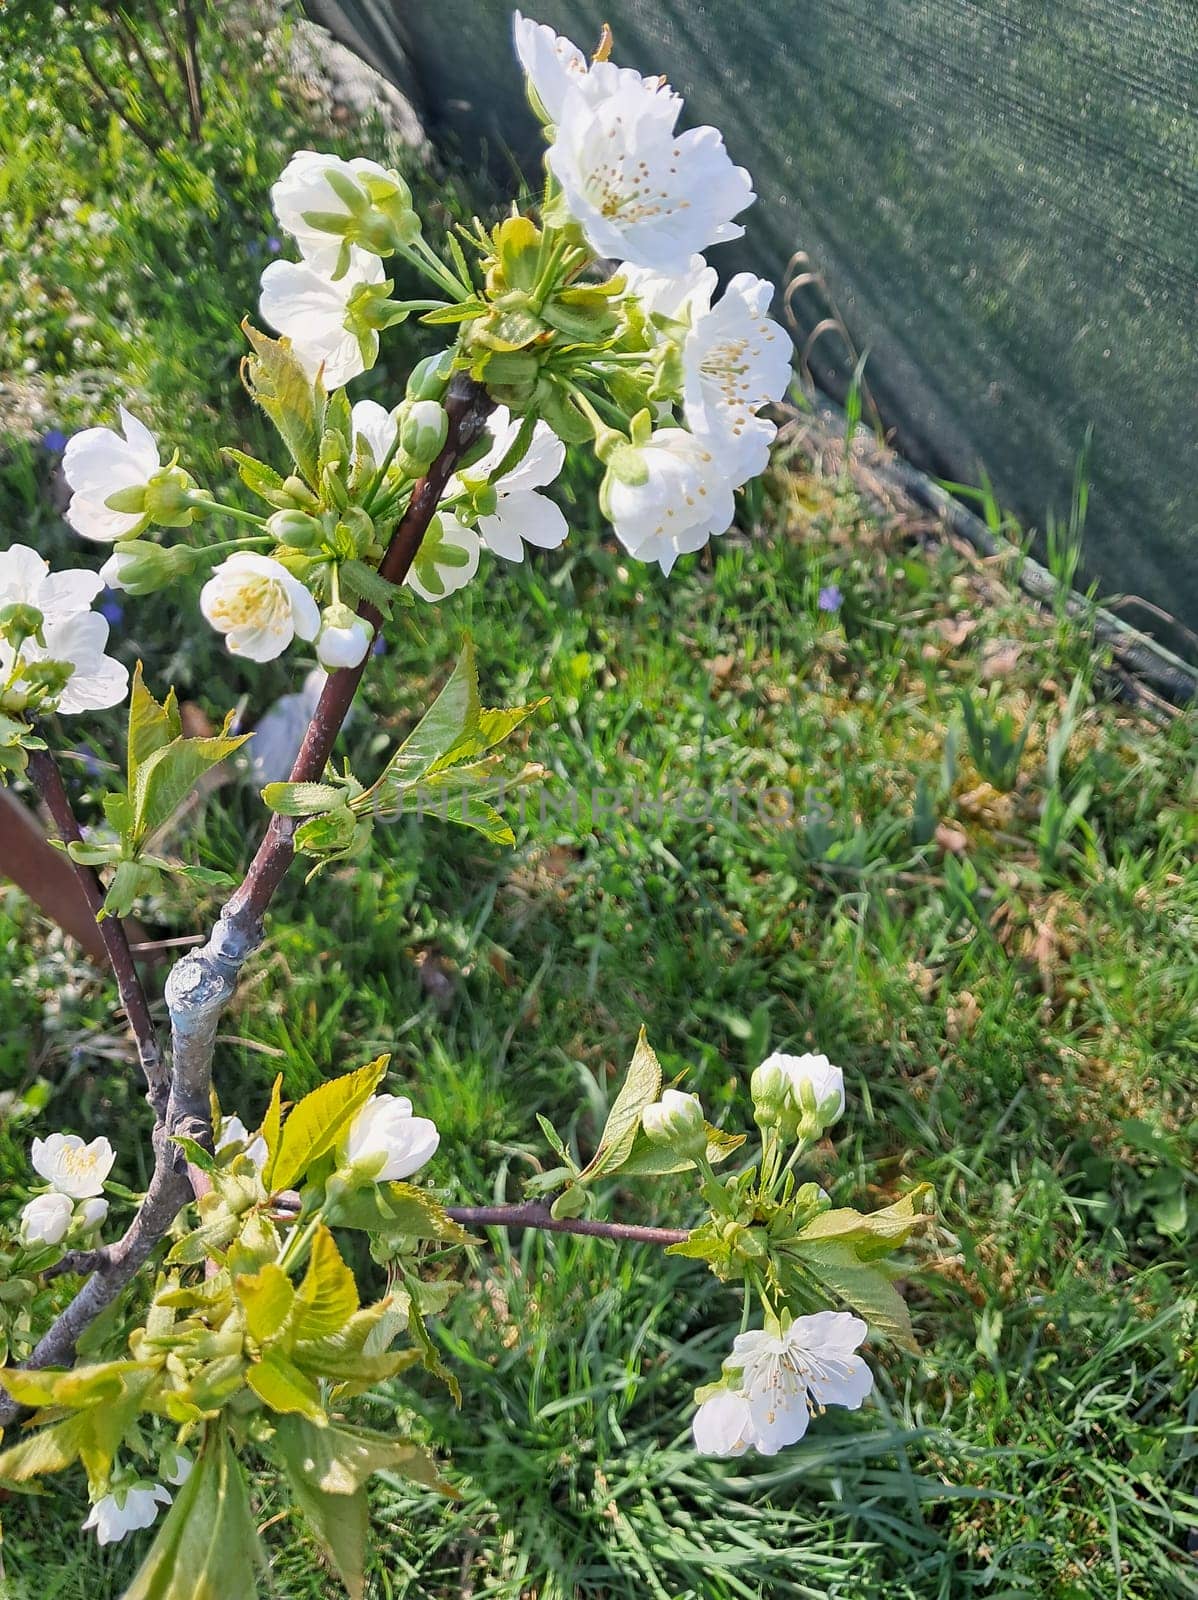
{"points": [[379, 647], [830, 597], [54, 441], [111, 609], [274, 245]]}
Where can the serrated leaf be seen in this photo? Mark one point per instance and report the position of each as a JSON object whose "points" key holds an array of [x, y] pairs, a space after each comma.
{"points": [[151, 726], [207, 1548], [51, 1449], [400, 1213], [281, 1385], [303, 799], [76, 1387], [641, 1087], [204, 1241], [272, 1122], [317, 1122], [464, 312], [327, 1469], [328, 1296], [268, 1297], [646, 1159], [870, 1234], [292, 401], [169, 774], [867, 1289], [259, 478]]}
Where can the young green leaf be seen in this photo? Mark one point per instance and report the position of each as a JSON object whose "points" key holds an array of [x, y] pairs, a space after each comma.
{"points": [[318, 1121]]}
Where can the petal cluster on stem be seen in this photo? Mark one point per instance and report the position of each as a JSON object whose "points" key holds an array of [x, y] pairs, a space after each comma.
{"points": [[71, 632], [778, 1380]]}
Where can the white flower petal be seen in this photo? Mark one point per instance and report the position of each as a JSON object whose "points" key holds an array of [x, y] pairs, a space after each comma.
{"points": [[722, 1425]]}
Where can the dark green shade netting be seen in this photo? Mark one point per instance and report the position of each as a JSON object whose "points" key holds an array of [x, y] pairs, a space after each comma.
{"points": [[1001, 199]]}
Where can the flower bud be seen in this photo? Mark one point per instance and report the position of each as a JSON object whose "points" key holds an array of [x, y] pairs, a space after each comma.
{"points": [[171, 500], [344, 638], [19, 622], [386, 1143], [814, 1097], [140, 567], [768, 1087], [423, 428], [430, 378], [676, 1120], [44, 1221], [91, 1214], [296, 528]]}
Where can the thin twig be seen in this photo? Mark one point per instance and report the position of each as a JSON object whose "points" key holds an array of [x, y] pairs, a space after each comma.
{"points": [[534, 1215], [43, 770]]}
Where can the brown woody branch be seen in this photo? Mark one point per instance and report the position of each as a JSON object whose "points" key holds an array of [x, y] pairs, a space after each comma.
{"points": [[534, 1215]]}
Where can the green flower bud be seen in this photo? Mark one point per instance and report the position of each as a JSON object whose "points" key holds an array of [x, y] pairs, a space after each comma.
{"points": [[19, 622], [47, 679], [430, 377], [360, 528], [423, 429], [299, 529], [768, 1086], [676, 1120], [171, 500], [140, 567], [624, 461]]}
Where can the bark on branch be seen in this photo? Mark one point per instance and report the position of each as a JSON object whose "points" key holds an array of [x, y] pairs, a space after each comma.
{"points": [[535, 1215]]}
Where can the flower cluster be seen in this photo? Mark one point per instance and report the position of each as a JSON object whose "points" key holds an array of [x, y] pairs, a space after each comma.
{"points": [[76, 1174], [783, 1239], [598, 323]]}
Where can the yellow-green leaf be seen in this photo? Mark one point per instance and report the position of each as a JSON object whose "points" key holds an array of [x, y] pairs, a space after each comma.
{"points": [[280, 1384], [640, 1088], [328, 1296], [268, 1297], [318, 1121]]}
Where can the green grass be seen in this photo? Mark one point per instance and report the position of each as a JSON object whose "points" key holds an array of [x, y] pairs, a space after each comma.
{"points": [[1013, 1000]]}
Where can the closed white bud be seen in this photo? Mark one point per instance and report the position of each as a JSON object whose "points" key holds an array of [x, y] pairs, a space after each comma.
{"points": [[343, 640], [676, 1120]]}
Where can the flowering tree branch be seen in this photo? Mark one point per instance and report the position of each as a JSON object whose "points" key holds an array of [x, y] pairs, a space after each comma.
{"points": [[43, 770], [535, 1215], [201, 983]]}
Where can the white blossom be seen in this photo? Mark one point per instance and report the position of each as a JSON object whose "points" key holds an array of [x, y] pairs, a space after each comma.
{"points": [[115, 1515], [303, 190], [72, 631], [71, 1167], [520, 513], [640, 191], [100, 462], [386, 1142], [735, 360], [554, 66], [447, 558], [809, 1078], [777, 1380], [685, 498], [45, 1220], [316, 313], [234, 1131], [675, 1119], [258, 605], [177, 1466], [677, 299]]}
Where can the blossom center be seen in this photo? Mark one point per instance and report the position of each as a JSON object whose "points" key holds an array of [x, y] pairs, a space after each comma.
{"points": [[256, 602]]}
